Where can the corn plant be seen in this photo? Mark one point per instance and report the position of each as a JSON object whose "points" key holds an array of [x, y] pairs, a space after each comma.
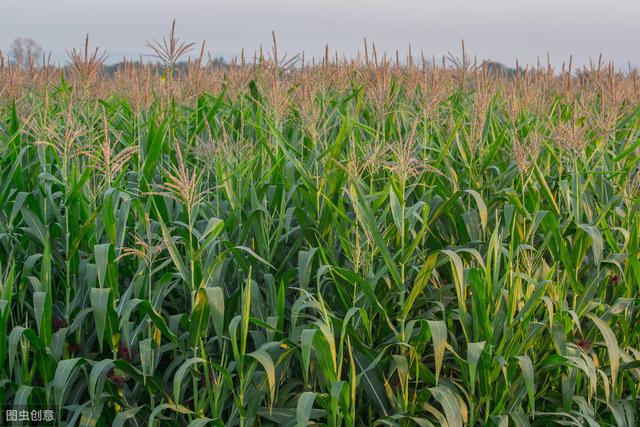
{"points": [[352, 242]]}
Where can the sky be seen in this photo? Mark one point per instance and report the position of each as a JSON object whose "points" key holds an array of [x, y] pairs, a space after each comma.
{"points": [[499, 30]]}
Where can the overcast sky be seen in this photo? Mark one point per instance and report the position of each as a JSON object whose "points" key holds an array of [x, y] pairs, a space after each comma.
{"points": [[501, 30]]}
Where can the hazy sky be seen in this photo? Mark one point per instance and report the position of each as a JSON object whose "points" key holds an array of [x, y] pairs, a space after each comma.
{"points": [[502, 30]]}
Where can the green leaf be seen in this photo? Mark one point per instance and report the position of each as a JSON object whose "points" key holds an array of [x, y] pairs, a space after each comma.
{"points": [[439, 337], [372, 384], [474, 351], [200, 422], [97, 378], [180, 374], [450, 404], [106, 267], [304, 407], [458, 276], [369, 224], [305, 260], [62, 378], [153, 148], [482, 208], [199, 322], [215, 297], [101, 304], [267, 363], [173, 251], [156, 319], [128, 414], [612, 345], [306, 343], [147, 357], [109, 215], [420, 282], [528, 375], [163, 407], [597, 244], [42, 309]]}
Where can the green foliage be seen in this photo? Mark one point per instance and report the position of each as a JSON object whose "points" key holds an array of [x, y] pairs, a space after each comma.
{"points": [[221, 261]]}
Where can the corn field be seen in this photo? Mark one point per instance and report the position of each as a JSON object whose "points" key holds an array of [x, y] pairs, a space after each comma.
{"points": [[340, 242]]}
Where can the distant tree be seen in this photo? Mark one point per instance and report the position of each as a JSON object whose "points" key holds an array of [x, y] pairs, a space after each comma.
{"points": [[111, 69], [500, 69], [23, 50]]}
